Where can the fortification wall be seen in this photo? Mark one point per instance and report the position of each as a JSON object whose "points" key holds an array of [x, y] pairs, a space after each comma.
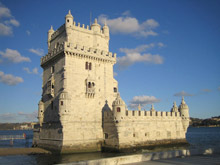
{"points": [[141, 128]]}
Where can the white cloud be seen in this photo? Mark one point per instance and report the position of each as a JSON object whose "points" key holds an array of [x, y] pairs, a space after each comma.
{"points": [[28, 32], [5, 30], [161, 45], [183, 93], [142, 100], [134, 55], [29, 116], [126, 13], [138, 49], [18, 117], [4, 12], [7, 21], [206, 90], [7, 117], [14, 56], [13, 22], [126, 24], [10, 79], [39, 52], [34, 71]]}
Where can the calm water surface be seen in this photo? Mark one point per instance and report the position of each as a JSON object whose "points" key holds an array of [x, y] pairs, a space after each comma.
{"points": [[197, 137]]}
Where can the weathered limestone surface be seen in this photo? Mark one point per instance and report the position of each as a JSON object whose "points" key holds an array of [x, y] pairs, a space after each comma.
{"points": [[81, 109]]}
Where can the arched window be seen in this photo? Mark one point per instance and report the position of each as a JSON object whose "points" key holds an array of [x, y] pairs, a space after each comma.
{"points": [[93, 84], [118, 109], [90, 66], [86, 66], [89, 85], [115, 90]]}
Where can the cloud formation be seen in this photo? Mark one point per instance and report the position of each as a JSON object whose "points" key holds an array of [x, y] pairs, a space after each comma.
{"points": [[29, 116], [7, 21], [18, 117], [135, 55], [34, 71], [9, 79], [14, 56], [126, 24], [28, 32], [183, 93], [142, 100], [206, 90], [39, 52]]}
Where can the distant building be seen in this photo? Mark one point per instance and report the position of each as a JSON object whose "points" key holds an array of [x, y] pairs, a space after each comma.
{"points": [[81, 109]]}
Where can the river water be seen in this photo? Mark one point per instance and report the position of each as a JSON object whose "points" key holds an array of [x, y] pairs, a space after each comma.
{"points": [[197, 137]]}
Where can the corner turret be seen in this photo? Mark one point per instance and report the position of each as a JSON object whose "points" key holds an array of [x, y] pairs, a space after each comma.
{"points": [[119, 107], [68, 24], [106, 31], [174, 108], [40, 112], [50, 32], [152, 108], [64, 107], [184, 112], [96, 27]]}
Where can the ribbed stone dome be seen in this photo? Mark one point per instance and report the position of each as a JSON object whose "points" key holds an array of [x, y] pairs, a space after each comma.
{"points": [[118, 101], [183, 104]]}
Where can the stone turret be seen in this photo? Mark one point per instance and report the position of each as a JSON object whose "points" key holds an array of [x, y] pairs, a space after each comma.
{"points": [[41, 112], [64, 107], [50, 32], [96, 27], [184, 112], [106, 31], [119, 107], [68, 24], [174, 108], [152, 108]]}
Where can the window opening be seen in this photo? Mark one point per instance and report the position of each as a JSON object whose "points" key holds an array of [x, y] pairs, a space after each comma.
{"points": [[118, 109]]}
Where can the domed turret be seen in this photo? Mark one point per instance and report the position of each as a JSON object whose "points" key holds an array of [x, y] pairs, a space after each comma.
{"points": [[119, 107], [68, 24], [184, 109], [174, 108], [63, 108], [50, 32], [69, 19], [152, 108], [106, 30], [184, 112], [41, 112], [95, 26]]}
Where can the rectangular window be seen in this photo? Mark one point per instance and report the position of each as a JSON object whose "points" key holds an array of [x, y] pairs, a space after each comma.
{"points": [[133, 134], [133, 113], [118, 109], [61, 102], [139, 113], [115, 90]]}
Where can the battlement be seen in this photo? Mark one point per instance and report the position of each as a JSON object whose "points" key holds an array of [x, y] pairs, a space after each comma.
{"points": [[136, 115], [79, 50]]}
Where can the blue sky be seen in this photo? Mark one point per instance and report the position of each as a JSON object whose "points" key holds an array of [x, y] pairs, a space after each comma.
{"points": [[165, 48]]}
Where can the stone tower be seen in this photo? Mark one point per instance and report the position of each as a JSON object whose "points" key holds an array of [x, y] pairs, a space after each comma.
{"points": [[77, 83]]}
